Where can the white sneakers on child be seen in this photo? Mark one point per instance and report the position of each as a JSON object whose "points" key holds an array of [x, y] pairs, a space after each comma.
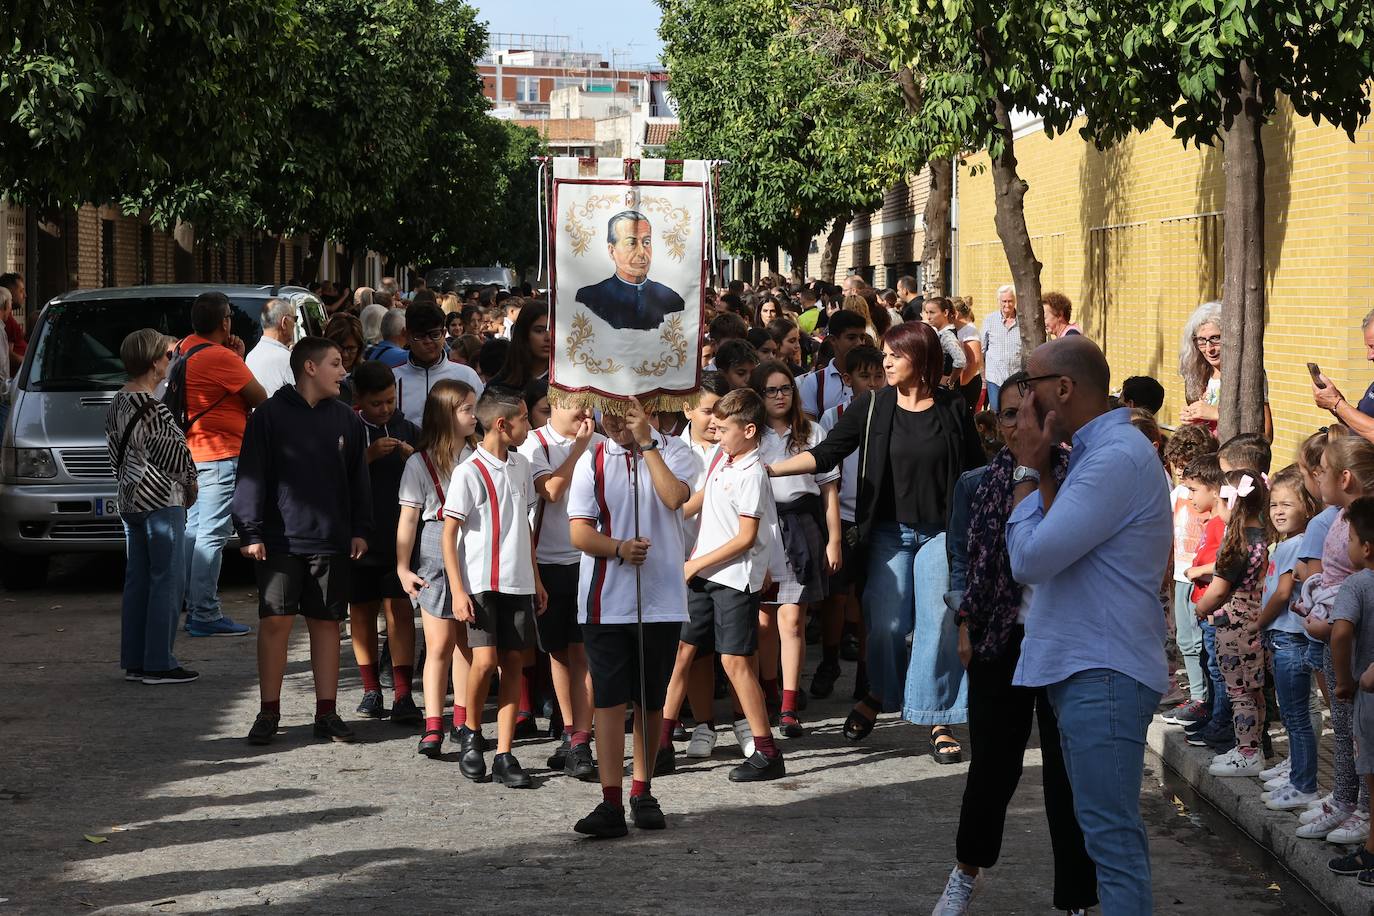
{"points": [[1288, 798], [1328, 818], [1282, 768], [1315, 810], [1355, 829], [960, 890], [745, 738], [703, 741], [1235, 763]]}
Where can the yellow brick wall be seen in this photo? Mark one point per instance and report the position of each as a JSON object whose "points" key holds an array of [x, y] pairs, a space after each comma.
{"points": [[1133, 236]]}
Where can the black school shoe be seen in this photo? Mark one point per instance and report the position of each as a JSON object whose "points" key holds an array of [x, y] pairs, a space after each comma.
{"points": [[471, 763], [372, 706], [646, 813], [759, 768], [432, 744], [665, 762], [525, 726], [823, 682], [605, 822], [177, 675], [405, 712], [559, 758], [332, 727], [1361, 860], [264, 728], [134, 674], [506, 771], [579, 764]]}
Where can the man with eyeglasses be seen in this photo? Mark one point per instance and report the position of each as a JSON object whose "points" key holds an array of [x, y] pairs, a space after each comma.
{"points": [[427, 363], [270, 359], [1095, 548]]}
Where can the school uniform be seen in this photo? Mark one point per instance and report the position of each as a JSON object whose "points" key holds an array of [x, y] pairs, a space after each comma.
{"points": [[413, 383], [823, 389], [493, 499], [801, 531], [702, 454], [424, 486], [602, 493], [558, 560], [723, 600], [849, 498], [374, 576]]}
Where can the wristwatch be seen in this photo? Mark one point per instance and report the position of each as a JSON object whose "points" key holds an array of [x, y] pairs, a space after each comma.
{"points": [[1023, 474], [651, 447]]}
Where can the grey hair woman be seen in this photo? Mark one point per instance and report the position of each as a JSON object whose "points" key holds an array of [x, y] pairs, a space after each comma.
{"points": [[371, 317], [1199, 362]]}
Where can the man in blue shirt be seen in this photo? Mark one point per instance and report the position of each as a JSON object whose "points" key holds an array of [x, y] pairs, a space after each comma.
{"points": [[1095, 547]]}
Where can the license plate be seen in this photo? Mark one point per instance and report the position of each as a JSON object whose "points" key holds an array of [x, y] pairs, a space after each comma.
{"points": [[105, 508]]}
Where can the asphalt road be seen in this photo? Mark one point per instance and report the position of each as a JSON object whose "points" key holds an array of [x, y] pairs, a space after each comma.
{"points": [[189, 818]]}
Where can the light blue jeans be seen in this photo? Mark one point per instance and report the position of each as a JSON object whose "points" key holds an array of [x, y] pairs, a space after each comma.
{"points": [[908, 575], [1293, 687], [994, 395], [153, 587], [1188, 637], [1103, 716], [208, 527]]}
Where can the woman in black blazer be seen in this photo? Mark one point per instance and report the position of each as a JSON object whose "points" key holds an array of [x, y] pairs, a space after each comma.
{"points": [[915, 439]]}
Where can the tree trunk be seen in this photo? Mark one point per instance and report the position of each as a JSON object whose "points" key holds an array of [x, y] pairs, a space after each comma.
{"points": [[314, 253], [830, 254], [1010, 218], [184, 253], [265, 259], [1241, 404], [800, 255], [774, 263], [935, 249]]}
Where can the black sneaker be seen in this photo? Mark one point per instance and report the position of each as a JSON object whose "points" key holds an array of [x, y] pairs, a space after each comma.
{"points": [[665, 763], [646, 813], [177, 675], [506, 771], [332, 727], [559, 758], [405, 712], [264, 728], [471, 763], [605, 822], [680, 733], [1352, 864], [579, 764], [823, 682], [849, 647], [759, 768], [134, 674], [371, 707]]}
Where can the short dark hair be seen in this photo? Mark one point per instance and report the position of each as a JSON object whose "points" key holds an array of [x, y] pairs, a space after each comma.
{"points": [[424, 317], [863, 357], [727, 326], [759, 338], [309, 350], [498, 404], [942, 303], [535, 391], [908, 284], [208, 311], [492, 356], [733, 352], [1247, 450], [1205, 469], [372, 377], [423, 296], [10, 281], [1143, 391], [919, 343], [845, 320], [714, 383], [635, 215], [1360, 515], [743, 405]]}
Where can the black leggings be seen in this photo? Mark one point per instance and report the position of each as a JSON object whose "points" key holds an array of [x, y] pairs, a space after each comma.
{"points": [[999, 717]]}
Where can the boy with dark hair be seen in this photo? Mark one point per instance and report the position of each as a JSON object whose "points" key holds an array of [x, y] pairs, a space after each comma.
{"points": [[1246, 450], [825, 388], [391, 439], [1204, 479], [489, 562], [1142, 391], [727, 326], [303, 510], [492, 357], [736, 360], [427, 363], [1352, 656]]}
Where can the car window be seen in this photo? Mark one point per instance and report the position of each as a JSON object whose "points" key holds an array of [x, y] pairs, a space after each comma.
{"points": [[77, 343]]}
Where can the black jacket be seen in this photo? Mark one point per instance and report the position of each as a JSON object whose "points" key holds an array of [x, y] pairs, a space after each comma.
{"points": [[627, 307], [956, 425], [303, 484], [386, 473]]}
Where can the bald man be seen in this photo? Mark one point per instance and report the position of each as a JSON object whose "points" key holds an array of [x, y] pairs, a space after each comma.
{"points": [[1095, 548]]}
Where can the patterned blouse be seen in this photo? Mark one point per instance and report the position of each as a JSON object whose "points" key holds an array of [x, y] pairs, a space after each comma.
{"points": [[1246, 575], [157, 471]]}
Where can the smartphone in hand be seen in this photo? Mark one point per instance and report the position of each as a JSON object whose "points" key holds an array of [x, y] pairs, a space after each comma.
{"points": [[1315, 371]]}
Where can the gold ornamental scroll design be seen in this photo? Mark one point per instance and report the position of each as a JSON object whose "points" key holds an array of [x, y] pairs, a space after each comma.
{"points": [[674, 355], [579, 221], [583, 339], [582, 344]]}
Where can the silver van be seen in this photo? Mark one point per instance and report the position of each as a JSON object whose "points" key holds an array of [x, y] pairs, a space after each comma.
{"points": [[57, 488]]}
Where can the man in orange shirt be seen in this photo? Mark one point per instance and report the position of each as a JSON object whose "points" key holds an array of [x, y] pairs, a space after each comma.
{"points": [[220, 393]]}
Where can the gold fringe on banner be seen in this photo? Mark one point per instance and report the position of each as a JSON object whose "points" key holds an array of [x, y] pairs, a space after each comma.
{"points": [[654, 403]]}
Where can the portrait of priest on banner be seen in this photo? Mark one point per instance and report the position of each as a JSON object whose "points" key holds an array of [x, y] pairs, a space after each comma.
{"points": [[628, 299]]}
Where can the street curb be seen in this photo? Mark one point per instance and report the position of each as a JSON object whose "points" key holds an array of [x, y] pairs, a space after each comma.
{"points": [[1239, 800]]}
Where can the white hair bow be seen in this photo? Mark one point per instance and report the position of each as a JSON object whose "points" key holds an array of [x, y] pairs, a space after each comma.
{"points": [[1231, 494]]}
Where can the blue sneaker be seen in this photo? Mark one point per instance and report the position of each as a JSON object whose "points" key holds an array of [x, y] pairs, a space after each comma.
{"points": [[221, 627]]}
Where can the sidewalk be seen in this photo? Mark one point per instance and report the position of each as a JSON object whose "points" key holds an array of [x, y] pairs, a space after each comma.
{"points": [[1239, 800]]}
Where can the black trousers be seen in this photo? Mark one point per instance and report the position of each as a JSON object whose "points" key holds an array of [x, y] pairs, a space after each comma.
{"points": [[999, 717]]}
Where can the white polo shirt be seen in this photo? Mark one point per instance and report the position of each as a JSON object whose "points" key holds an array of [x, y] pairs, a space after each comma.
{"points": [[773, 449], [413, 383], [270, 363], [493, 500], [424, 485], [702, 454], [821, 390], [547, 451], [849, 468], [601, 493], [736, 487]]}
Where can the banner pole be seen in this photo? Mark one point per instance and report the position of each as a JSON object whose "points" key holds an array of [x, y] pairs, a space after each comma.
{"points": [[650, 759]]}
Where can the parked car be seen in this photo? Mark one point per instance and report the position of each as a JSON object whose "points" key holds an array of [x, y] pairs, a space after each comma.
{"points": [[457, 278], [57, 487]]}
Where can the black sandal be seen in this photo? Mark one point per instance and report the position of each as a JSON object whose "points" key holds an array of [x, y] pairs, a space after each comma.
{"points": [[432, 743], [947, 752], [857, 726]]}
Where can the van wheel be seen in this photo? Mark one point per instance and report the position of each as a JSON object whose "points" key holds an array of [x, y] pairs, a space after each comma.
{"points": [[20, 573]]}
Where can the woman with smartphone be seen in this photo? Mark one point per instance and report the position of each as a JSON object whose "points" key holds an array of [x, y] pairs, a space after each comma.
{"points": [[1199, 362]]}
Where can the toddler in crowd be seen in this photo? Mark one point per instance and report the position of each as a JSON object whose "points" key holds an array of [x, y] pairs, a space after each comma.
{"points": [[1352, 649]]}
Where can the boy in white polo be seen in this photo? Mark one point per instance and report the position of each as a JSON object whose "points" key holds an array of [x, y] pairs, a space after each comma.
{"points": [[557, 446], [489, 562], [601, 507]]}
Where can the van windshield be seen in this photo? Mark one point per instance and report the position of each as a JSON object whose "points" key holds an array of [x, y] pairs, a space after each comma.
{"points": [[77, 346]]}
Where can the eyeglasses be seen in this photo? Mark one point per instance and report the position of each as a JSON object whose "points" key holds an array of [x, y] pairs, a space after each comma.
{"points": [[777, 391], [1206, 343], [1007, 416], [350, 350], [1024, 385], [436, 334]]}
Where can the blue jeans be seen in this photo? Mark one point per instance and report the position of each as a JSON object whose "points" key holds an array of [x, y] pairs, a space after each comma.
{"points": [[1188, 637], [1103, 716], [908, 574], [1221, 703], [208, 528], [153, 587], [994, 395], [1293, 686]]}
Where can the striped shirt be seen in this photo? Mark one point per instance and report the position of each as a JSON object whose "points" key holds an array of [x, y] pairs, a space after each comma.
{"points": [[493, 499], [156, 471]]}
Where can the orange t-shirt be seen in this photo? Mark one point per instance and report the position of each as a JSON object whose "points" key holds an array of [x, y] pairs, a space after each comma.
{"points": [[1212, 534], [212, 374]]}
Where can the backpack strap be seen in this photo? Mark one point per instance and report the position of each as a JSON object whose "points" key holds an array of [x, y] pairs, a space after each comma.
{"points": [[129, 431], [186, 370]]}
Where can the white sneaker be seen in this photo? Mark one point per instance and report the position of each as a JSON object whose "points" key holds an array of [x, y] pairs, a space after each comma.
{"points": [[1314, 810], [1330, 818], [745, 738], [1278, 782], [1224, 755], [703, 740], [1282, 769], [1354, 830], [1271, 792], [1238, 765], [1289, 798], [960, 890]]}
